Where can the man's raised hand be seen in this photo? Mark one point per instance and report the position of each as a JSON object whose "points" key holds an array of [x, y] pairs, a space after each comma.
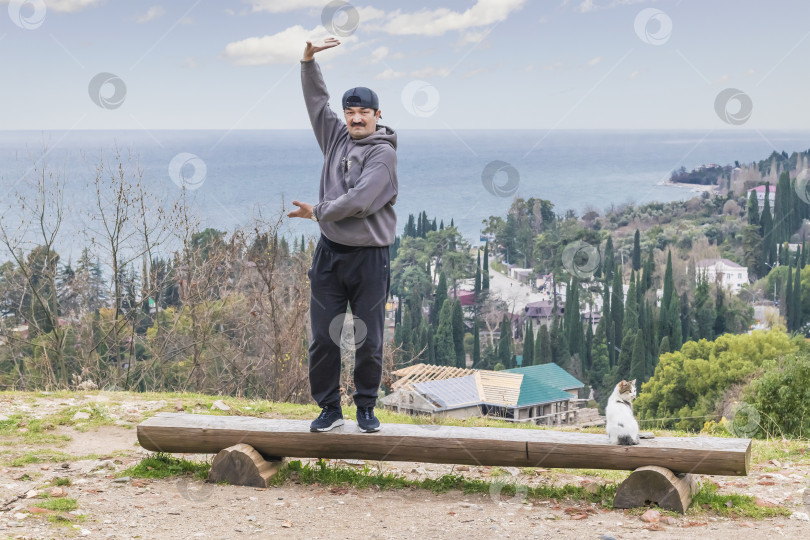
{"points": [[318, 46]]}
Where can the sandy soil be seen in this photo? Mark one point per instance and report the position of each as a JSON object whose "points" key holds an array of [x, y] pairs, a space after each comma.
{"points": [[180, 508]]}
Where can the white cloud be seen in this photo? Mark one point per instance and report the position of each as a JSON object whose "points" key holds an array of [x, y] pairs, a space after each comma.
{"points": [[282, 48], [66, 6], [721, 79], [437, 22], [587, 6], [281, 6], [636, 73], [378, 54], [152, 13], [369, 13], [592, 62], [424, 73]]}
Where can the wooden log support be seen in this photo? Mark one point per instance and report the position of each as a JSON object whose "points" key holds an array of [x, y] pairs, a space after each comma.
{"points": [[242, 465], [186, 433], [657, 486]]}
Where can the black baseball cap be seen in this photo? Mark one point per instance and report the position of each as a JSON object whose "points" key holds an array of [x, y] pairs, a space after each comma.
{"points": [[361, 97]]}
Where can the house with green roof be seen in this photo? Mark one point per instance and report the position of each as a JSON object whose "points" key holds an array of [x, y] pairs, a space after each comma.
{"points": [[544, 394]]}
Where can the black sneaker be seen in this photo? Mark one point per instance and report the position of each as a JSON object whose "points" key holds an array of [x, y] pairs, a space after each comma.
{"points": [[331, 417], [366, 420]]}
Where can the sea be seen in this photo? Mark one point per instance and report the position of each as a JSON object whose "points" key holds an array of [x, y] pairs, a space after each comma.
{"points": [[465, 176]]}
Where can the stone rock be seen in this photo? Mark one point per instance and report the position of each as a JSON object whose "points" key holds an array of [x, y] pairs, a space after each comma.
{"points": [[219, 404], [81, 415], [801, 516], [58, 492], [122, 480], [651, 516]]}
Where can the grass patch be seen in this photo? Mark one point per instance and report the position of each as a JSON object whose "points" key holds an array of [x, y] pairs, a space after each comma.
{"points": [[61, 481], [322, 473], [740, 505], [99, 416], [781, 450], [40, 456], [61, 504], [161, 465]]}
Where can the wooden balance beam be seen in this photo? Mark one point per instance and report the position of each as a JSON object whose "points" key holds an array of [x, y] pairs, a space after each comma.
{"points": [[274, 439]]}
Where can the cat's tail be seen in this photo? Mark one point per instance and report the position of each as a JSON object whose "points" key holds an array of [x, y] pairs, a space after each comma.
{"points": [[627, 440]]}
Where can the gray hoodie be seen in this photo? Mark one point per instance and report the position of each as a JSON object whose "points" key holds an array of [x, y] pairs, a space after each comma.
{"points": [[359, 179]]}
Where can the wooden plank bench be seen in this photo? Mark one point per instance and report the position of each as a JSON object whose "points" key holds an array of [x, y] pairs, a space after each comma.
{"points": [[679, 457]]}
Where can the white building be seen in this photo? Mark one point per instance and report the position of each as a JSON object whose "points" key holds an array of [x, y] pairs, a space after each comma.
{"points": [[760, 191], [732, 275]]}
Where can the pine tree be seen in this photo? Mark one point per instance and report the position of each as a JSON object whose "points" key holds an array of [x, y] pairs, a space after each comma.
{"points": [[440, 297], [787, 304], [664, 347], [704, 311], [782, 209], [669, 289], [637, 251]]}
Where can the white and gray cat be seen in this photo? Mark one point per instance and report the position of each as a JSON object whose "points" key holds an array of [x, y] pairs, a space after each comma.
{"points": [[620, 424]]}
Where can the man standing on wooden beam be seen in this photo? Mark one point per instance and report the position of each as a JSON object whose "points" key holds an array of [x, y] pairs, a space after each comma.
{"points": [[351, 264]]}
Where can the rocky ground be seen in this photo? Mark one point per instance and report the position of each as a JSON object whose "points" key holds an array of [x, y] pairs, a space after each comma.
{"points": [[73, 447]]}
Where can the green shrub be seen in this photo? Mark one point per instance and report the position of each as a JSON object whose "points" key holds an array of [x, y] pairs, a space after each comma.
{"points": [[687, 384], [781, 397]]}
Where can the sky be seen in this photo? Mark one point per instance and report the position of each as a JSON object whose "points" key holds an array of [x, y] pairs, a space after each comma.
{"points": [[446, 65]]}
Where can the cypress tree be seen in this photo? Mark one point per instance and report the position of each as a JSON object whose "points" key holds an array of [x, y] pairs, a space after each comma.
{"points": [[544, 355], [753, 208], [485, 271], [768, 237], [798, 315], [588, 359], [477, 288], [528, 344], [617, 307], [476, 345], [686, 319], [720, 312], [787, 300], [458, 335], [675, 340], [638, 360], [444, 344], [609, 261], [664, 347], [626, 355], [504, 344], [637, 251]]}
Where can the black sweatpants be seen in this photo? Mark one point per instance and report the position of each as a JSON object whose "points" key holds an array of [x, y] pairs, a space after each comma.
{"points": [[361, 278]]}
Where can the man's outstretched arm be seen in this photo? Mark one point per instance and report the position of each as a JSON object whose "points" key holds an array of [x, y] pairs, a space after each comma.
{"points": [[325, 123]]}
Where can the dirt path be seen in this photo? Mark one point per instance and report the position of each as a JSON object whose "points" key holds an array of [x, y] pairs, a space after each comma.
{"points": [[172, 508]]}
